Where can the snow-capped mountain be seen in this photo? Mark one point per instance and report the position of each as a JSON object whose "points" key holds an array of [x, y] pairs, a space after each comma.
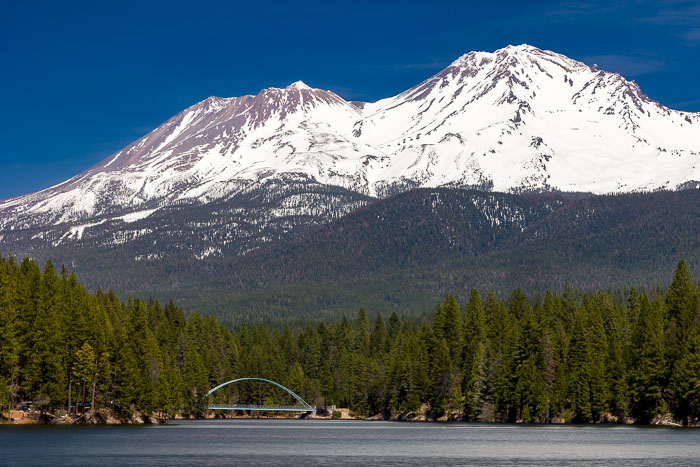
{"points": [[516, 119], [524, 118]]}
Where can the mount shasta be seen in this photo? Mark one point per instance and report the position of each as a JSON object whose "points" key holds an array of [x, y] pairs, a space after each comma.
{"points": [[228, 175]]}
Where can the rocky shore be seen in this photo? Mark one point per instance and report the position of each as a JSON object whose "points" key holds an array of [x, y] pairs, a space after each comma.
{"points": [[103, 416]]}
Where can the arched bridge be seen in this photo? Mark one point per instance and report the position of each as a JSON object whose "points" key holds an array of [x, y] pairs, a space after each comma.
{"points": [[303, 407]]}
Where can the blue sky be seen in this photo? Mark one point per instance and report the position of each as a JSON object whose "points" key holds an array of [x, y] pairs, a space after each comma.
{"points": [[80, 80]]}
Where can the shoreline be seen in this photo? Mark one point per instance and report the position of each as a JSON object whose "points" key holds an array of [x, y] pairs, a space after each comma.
{"points": [[104, 417]]}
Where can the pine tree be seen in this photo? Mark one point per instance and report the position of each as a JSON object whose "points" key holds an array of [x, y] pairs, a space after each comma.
{"points": [[518, 304], [579, 369], [685, 376], [126, 371], [378, 339], [44, 372], [559, 379], [457, 400], [475, 319], [359, 383], [194, 382], [474, 379], [597, 361], [419, 355], [502, 338], [474, 356], [681, 292], [345, 387], [362, 330], [394, 326], [295, 380], [681, 317], [168, 389], [9, 346], [647, 363], [525, 363], [448, 326], [441, 375], [85, 362], [530, 392]]}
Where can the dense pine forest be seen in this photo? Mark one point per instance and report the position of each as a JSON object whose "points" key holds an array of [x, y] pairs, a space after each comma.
{"points": [[561, 357]]}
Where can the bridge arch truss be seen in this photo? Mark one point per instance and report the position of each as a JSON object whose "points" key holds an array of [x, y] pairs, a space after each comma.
{"points": [[303, 407]]}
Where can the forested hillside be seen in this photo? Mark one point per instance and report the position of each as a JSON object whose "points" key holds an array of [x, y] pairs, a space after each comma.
{"points": [[566, 357], [254, 257], [408, 250], [424, 228]]}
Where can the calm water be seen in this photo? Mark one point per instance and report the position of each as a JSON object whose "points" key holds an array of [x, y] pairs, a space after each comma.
{"points": [[300, 442]]}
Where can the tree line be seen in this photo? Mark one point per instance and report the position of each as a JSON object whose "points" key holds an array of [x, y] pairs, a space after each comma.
{"points": [[566, 356]]}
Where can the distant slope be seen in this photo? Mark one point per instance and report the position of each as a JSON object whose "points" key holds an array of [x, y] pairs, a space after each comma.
{"points": [[173, 247], [391, 253], [409, 249], [434, 226]]}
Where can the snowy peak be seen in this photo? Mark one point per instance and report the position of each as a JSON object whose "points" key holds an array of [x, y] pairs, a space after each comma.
{"points": [[222, 120], [519, 118], [297, 97], [524, 118], [299, 85], [513, 55]]}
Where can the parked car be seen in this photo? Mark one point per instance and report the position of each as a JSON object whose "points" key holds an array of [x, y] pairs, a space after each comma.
{"points": [[80, 405], [26, 406]]}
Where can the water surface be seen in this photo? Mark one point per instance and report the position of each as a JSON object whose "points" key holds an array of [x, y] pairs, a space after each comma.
{"points": [[325, 442]]}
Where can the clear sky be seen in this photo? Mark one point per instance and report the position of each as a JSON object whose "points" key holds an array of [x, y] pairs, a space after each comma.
{"points": [[80, 80]]}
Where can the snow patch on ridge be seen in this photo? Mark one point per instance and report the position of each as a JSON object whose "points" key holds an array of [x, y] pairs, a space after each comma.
{"points": [[135, 216]]}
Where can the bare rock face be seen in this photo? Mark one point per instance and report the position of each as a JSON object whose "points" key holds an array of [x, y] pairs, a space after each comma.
{"points": [[665, 419], [517, 119]]}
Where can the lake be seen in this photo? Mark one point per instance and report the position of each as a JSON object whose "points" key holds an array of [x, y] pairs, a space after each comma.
{"points": [[325, 442]]}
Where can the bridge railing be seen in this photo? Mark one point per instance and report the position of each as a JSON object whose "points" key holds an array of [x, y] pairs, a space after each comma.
{"points": [[305, 407], [270, 408]]}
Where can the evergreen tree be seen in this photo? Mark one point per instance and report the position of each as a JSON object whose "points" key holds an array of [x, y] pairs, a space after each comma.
{"points": [[448, 326], [579, 369], [597, 361], [685, 380], [9, 346], [441, 375], [569, 357], [168, 397], [474, 356], [126, 372], [530, 392], [681, 292], [378, 339], [648, 364], [518, 304], [362, 329], [295, 380], [194, 382], [44, 371], [85, 362], [679, 299]]}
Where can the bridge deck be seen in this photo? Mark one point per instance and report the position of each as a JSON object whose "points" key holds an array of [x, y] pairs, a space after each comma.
{"points": [[268, 408]]}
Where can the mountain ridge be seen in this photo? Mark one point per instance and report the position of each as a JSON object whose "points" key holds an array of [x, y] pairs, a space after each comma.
{"points": [[507, 121], [227, 180]]}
